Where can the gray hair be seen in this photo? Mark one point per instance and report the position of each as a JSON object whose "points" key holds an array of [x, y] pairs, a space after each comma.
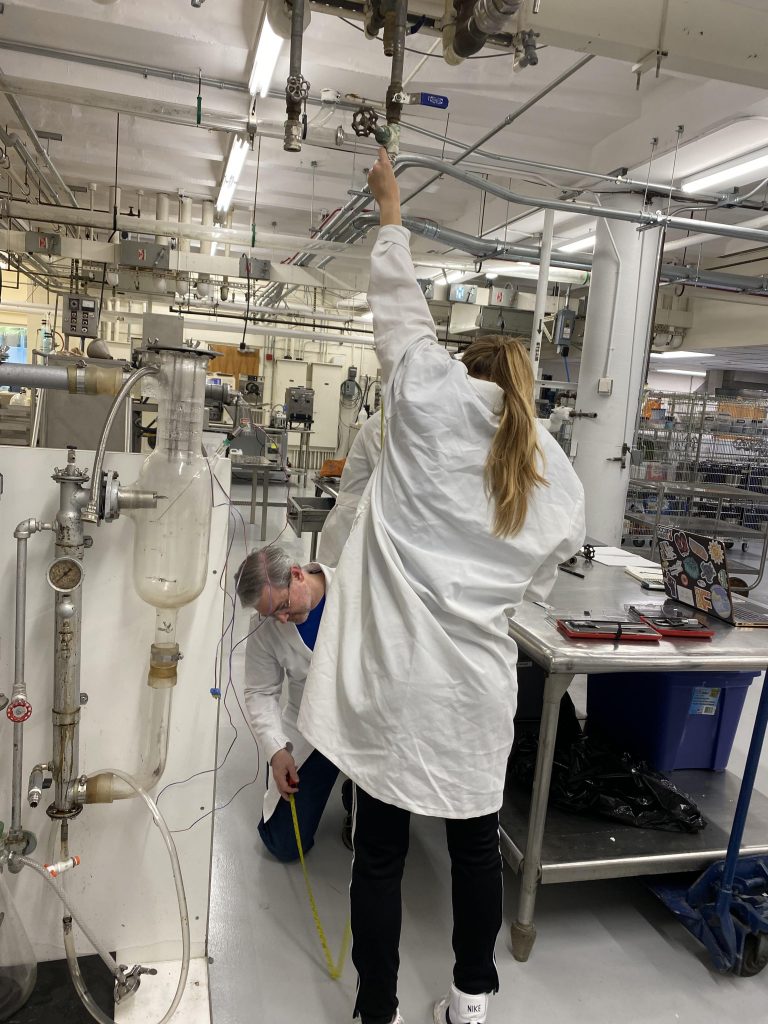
{"points": [[269, 566]]}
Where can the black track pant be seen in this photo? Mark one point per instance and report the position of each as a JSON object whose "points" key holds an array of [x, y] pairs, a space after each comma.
{"points": [[381, 845]]}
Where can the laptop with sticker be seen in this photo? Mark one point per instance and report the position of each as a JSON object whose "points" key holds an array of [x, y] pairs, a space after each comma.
{"points": [[695, 573]]}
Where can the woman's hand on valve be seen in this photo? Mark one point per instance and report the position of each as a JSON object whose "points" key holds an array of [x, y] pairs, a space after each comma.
{"points": [[383, 184], [285, 774]]}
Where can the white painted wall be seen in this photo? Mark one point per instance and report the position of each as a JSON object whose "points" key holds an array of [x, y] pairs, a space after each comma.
{"points": [[124, 887]]}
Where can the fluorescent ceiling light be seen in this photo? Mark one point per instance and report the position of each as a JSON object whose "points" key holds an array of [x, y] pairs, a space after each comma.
{"points": [[366, 316], [578, 245], [682, 355], [267, 52], [214, 247], [235, 163], [684, 373], [744, 169]]}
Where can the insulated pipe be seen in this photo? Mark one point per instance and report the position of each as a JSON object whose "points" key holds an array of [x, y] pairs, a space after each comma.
{"points": [[84, 380], [487, 18], [185, 218], [162, 213], [295, 86], [206, 246]]}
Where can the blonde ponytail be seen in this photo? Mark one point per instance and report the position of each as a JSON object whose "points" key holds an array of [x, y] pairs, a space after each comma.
{"points": [[512, 466]]}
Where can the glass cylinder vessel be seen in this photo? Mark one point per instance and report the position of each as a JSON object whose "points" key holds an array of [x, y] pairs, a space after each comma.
{"points": [[18, 968], [171, 544]]}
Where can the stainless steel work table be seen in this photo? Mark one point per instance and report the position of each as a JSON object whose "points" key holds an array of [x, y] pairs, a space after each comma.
{"points": [[553, 846]]}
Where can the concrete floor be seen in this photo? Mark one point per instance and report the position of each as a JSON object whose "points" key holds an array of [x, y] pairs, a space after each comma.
{"points": [[607, 951]]}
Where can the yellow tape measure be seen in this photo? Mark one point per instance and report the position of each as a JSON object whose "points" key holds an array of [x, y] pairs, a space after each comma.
{"points": [[334, 969]]}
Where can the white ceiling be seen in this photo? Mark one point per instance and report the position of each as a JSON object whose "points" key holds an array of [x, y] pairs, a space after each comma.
{"points": [[597, 120]]}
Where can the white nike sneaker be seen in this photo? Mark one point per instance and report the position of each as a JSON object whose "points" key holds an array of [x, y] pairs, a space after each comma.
{"points": [[462, 1008]]}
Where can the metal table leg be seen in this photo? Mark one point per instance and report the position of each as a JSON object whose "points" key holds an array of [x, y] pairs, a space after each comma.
{"points": [[254, 485], [264, 501], [523, 931], [313, 546]]}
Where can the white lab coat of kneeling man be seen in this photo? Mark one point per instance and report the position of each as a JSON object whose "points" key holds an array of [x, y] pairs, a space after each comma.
{"points": [[275, 654]]}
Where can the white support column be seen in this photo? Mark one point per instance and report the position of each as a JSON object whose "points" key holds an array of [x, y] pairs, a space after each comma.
{"points": [[541, 295], [612, 370]]}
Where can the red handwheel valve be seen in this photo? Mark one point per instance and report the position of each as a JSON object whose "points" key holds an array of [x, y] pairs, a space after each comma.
{"points": [[18, 710]]}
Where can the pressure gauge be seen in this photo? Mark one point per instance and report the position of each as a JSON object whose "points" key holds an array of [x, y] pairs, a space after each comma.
{"points": [[65, 575]]}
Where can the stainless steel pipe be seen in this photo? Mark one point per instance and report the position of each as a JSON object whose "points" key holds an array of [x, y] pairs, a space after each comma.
{"points": [[91, 511]]}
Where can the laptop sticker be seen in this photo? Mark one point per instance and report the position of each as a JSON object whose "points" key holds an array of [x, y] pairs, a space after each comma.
{"points": [[681, 543], [720, 601], [723, 577], [703, 602], [691, 567], [698, 549], [685, 595], [708, 572], [716, 551]]}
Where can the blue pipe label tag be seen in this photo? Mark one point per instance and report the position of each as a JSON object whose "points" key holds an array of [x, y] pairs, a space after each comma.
{"points": [[430, 99], [704, 700]]}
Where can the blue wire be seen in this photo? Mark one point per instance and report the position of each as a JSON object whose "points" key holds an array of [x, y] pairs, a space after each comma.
{"points": [[567, 371]]}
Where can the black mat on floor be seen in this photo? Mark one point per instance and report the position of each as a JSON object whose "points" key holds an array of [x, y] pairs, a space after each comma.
{"points": [[54, 1000]]}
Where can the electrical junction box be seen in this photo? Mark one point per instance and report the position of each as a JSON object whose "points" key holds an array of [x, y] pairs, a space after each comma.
{"points": [[463, 293], [504, 296], [562, 334], [81, 317], [605, 385], [255, 270], [145, 255], [43, 242]]}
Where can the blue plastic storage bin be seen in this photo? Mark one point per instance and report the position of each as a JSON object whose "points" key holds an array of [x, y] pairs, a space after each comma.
{"points": [[672, 720]]}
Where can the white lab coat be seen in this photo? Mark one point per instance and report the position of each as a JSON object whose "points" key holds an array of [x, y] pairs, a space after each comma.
{"points": [[363, 456], [413, 687], [274, 654]]}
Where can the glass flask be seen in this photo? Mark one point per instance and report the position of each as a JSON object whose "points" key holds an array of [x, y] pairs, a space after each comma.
{"points": [[18, 968], [170, 560]]}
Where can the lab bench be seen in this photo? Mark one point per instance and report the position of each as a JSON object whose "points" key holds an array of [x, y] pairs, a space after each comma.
{"points": [[548, 845]]}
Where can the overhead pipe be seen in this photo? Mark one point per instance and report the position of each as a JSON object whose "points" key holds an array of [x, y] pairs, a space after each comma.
{"points": [[13, 140], [395, 26], [650, 220], [297, 87], [497, 249], [37, 144], [475, 23]]}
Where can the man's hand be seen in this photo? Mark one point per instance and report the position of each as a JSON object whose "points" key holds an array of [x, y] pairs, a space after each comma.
{"points": [[386, 191], [285, 774]]}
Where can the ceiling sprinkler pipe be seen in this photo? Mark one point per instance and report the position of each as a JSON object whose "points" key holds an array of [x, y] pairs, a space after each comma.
{"points": [[390, 136], [487, 18], [296, 87]]}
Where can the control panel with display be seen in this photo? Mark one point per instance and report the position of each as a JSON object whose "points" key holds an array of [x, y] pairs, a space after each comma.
{"points": [[81, 317]]}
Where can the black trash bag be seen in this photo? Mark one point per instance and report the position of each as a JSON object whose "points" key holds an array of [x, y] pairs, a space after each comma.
{"points": [[589, 777]]}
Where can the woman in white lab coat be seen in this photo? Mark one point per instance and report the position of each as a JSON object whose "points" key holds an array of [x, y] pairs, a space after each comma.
{"points": [[358, 468], [412, 688]]}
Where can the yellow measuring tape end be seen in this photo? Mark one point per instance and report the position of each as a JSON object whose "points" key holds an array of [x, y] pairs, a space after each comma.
{"points": [[334, 969]]}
